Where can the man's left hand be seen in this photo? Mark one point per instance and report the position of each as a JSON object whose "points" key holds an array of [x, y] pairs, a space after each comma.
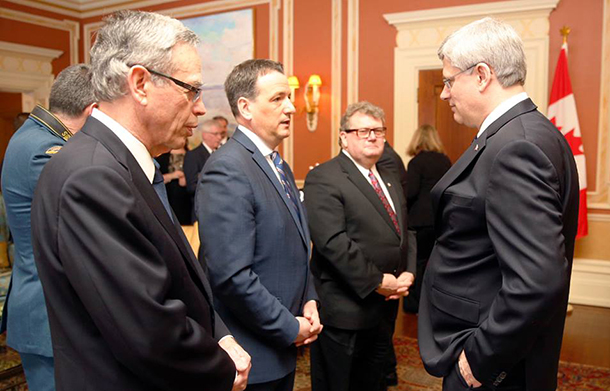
{"points": [[241, 359], [405, 281], [466, 372], [310, 312]]}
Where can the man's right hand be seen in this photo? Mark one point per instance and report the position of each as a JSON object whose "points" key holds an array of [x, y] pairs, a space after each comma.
{"points": [[305, 335], [389, 285]]}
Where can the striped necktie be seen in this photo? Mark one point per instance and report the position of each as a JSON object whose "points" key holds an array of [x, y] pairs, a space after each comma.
{"points": [[279, 166], [384, 200]]}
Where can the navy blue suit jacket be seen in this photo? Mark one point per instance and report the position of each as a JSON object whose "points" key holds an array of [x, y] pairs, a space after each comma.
{"points": [[257, 249]]}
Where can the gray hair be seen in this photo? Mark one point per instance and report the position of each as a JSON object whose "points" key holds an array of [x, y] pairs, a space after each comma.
{"points": [[490, 41], [206, 125], [134, 38], [72, 92], [241, 82], [363, 107]]}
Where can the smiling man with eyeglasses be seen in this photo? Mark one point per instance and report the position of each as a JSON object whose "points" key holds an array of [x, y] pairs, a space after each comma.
{"points": [[357, 217]]}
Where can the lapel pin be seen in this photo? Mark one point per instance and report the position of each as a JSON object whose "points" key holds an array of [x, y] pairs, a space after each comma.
{"points": [[476, 147], [389, 184]]}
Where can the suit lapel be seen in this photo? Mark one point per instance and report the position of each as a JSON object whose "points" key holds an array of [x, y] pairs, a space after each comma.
{"points": [[105, 136], [356, 177], [263, 164], [475, 149]]}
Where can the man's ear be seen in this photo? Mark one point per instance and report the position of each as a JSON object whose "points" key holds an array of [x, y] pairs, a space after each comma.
{"points": [[484, 75], [244, 107], [138, 84], [89, 109]]}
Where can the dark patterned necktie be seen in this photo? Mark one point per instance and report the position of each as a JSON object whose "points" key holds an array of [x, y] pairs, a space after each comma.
{"points": [[384, 200], [279, 166], [159, 187]]}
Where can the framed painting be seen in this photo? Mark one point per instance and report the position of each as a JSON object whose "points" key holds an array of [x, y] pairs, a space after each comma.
{"points": [[227, 39]]}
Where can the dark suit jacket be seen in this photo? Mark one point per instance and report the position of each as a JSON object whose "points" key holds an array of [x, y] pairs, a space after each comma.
{"points": [[393, 162], [354, 240], [498, 278], [257, 250], [424, 171], [129, 306], [194, 161]]}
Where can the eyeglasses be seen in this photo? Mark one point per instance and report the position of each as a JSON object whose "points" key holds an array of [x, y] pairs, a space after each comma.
{"points": [[449, 81], [196, 90], [215, 134], [365, 133]]}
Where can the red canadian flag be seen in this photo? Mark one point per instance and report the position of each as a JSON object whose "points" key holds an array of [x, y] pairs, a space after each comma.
{"points": [[562, 113]]}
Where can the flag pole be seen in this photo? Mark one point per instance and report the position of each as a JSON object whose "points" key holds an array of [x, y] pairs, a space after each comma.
{"points": [[565, 31]]}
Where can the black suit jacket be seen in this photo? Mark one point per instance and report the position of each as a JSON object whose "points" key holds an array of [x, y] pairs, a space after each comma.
{"points": [[129, 306], [498, 277], [354, 241], [393, 162], [194, 161], [424, 171]]}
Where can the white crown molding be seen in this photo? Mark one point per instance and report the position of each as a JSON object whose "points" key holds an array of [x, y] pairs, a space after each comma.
{"points": [[70, 26], [590, 284], [42, 54], [464, 11], [202, 9], [86, 9]]}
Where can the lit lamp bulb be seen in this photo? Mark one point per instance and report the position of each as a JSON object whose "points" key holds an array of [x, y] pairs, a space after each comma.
{"points": [[293, 83], [312, 98]]}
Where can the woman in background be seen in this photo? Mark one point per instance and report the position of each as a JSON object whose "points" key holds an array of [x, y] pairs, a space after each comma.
{"points": [[428, 165], [171, 166]]}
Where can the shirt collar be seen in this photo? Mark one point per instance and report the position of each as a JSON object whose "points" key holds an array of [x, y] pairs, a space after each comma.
{"points": [[260, 144], [500, 110], [210, 150], [135, 146], [360, 168]]}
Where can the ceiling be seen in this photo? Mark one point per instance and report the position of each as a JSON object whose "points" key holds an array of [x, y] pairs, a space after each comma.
{"points": [[86, 8]]}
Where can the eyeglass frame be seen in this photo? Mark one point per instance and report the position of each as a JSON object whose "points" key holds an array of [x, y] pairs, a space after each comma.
{"points": [[197, 90], [381, 130], [448, 81]]}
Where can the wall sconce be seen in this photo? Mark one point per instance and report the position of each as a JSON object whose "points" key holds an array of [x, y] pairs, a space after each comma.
{"points": [[312, 97], [293, 83]]}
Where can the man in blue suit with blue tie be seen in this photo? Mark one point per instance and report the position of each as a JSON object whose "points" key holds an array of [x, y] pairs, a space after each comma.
{"points": [[253, 230], [40, 138]]}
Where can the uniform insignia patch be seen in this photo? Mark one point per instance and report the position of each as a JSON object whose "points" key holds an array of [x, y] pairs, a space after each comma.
{"points": [[53, 150]]}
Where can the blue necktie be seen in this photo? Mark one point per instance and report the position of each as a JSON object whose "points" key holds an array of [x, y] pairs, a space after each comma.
{"points": [[279, 166], [159, 187]]}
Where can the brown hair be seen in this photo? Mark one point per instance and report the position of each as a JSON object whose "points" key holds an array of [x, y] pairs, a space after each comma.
{"points": [[425, 139]]}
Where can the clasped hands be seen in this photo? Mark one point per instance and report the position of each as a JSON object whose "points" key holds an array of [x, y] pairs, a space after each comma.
{"points": [[309, 324], [395, 287]]}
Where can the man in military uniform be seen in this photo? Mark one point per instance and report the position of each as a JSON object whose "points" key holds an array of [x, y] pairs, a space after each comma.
{"points": [[39, 138]]}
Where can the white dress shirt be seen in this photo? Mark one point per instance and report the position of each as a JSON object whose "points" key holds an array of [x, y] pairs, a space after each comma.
{"points": [[135, 146], [365, 173]]}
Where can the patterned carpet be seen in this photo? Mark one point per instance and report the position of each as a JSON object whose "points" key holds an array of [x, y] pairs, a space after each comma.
{"points": [[411, 374], [413, 377]]}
